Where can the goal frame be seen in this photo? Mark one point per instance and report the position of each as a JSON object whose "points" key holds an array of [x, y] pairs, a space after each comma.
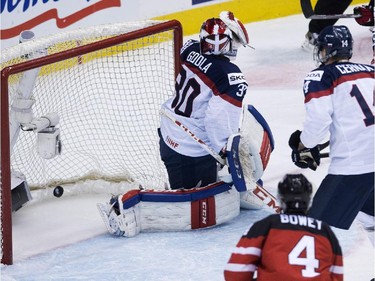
{"points": [[5, 169]]}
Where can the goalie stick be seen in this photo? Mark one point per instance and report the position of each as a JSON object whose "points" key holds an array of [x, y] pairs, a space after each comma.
{"points": [[259, 191], [308, 12]]}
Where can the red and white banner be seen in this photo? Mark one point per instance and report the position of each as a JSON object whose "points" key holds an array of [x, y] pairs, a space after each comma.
{"points": [[45, 17]]}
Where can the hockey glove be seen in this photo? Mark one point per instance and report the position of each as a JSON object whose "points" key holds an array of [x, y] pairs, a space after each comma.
{"points": [[295, 140], [367, 16], [235, 25], [305, 158]]}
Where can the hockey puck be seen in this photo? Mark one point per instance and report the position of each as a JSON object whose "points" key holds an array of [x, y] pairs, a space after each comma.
{"points": [[58, 191]]}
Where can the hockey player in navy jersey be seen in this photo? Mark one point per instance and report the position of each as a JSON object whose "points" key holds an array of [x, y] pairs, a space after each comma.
{"points": [[289, 246], [339, 104], [208, 99]]}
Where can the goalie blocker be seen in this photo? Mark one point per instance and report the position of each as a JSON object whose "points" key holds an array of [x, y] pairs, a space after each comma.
{"points": [[170, 210]]}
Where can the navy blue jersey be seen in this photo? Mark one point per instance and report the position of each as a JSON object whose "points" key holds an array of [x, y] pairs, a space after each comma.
{"points": [[208, 100]]}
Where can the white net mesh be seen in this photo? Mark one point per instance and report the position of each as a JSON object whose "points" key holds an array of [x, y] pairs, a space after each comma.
{"points": [[108, 102]]}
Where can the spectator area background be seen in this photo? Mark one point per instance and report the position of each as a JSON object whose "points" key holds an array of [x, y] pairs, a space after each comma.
{"points": [[54, 16]]}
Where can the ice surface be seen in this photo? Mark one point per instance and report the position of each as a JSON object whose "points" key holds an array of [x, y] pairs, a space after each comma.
{"points": [[65, 239]]}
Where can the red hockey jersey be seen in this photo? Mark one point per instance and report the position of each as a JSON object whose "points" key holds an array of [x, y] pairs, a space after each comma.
{"points": [[287, 247]]}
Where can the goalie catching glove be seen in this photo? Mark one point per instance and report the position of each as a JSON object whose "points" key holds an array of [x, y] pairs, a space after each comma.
{"points": [[306, 157], [236, 26]]}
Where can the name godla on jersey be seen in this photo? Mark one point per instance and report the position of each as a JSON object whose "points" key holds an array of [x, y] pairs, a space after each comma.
{"points": [[201, 62]]}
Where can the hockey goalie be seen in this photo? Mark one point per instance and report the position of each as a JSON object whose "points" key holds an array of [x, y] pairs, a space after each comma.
{"points": [[203, 202], [248, 153]]}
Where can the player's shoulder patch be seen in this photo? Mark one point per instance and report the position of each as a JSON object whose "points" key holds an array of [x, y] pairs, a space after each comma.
{"points": [[315, 75], [187, 45], [236, 78]]}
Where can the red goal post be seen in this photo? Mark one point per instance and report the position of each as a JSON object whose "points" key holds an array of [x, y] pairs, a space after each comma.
{"points": [[106, 84]]}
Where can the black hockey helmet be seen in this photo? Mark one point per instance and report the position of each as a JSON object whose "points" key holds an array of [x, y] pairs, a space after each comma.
{"points": [[294, 193], [337, 41]]}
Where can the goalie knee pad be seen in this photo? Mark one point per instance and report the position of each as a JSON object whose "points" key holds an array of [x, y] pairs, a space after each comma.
{"points": [[129, 221]]}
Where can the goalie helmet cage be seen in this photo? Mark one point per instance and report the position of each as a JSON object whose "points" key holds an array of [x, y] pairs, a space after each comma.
{"points": [[107, 84]]}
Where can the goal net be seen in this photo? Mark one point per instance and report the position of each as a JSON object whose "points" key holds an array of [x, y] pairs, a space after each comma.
{"points": [[101, 89]]}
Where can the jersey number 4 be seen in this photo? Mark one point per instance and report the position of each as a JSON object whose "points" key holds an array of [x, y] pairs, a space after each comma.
{"points": [[305, 245]]}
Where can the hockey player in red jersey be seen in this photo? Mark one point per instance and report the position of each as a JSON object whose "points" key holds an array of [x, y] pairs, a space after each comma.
{"points": [[288, 246]]}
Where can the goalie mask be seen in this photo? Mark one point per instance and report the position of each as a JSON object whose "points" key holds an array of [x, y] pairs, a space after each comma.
{"points": [[294, 193], [216, 38], [333, 42]]}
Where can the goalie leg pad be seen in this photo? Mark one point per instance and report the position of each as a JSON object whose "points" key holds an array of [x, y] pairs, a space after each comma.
{"points": [[130, 221], [178, 210], [171, 210], [126, 224], [110, 218], [188, 215]]}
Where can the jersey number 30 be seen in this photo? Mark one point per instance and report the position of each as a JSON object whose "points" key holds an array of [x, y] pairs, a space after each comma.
{"points": [[185, 95], [307, 245]]}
